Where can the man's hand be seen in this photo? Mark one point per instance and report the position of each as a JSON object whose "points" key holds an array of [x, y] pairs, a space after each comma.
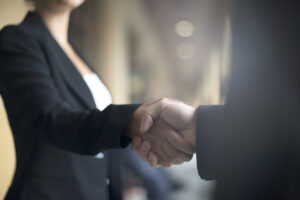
{"points": [[166, 145], [181, 117]]}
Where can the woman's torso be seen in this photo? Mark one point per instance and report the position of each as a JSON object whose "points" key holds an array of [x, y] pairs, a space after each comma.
{"points": [[44, 171]]}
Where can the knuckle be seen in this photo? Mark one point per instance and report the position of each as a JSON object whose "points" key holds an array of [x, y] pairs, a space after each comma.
{"points": [[163, 103]]}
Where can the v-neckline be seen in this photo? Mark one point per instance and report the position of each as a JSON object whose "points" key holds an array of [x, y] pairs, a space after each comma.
{"points": [[67, 57], [63, 51], [72, 76]]}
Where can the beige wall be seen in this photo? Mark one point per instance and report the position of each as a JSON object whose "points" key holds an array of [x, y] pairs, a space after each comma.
{"points": [[7, 153], [112, 45], [11, 12]]}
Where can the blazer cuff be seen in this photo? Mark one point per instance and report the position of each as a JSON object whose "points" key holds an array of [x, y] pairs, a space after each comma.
{"points": [[110, 136], [209, 128]]}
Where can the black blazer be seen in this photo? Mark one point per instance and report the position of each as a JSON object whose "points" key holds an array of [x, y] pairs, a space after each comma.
{"points": [[251, 144], [52, 113]]}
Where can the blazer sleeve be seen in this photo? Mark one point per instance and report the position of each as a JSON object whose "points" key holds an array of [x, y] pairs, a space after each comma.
{"points": [[26, 81], [228, 145], [209, 136]]}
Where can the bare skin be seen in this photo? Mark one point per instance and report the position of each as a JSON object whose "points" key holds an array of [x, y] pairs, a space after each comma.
{"points": [[181, 117], [56, 16], [153, 129]]}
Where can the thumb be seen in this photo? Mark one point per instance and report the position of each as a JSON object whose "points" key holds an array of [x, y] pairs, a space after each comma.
{"points": [[150, 113], [146, 123]]}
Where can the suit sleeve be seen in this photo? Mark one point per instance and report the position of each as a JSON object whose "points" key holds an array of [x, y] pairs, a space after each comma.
{"points": [[209, 135], [233, 145], [26, 81]]}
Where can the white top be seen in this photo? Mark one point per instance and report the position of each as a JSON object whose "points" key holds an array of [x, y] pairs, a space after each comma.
{"points": [[99, 91], [100, 94]]}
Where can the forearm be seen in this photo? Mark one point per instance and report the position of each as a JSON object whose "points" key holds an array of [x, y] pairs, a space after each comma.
{"points": [[85, 132]]}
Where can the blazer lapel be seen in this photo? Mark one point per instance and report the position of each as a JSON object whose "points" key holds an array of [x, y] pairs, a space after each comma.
{"points": [[58, 58], [72, 77]]}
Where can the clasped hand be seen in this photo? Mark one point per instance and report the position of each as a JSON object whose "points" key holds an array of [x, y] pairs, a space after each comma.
{"points": [[163, 132]]}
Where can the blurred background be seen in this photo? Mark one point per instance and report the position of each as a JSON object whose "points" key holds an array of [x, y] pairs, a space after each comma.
{"points": [[143, 50]]}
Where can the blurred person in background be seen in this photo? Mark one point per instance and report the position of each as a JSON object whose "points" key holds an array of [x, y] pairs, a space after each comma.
{"points": [[60, 111], [250, 145], [128, 171]]}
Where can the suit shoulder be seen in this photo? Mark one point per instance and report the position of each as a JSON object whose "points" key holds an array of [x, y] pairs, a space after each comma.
{"points": [[17, 38], [15, 32]]}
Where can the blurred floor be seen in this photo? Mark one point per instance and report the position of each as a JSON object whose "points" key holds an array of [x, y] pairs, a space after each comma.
{"points": [[194, 187]]}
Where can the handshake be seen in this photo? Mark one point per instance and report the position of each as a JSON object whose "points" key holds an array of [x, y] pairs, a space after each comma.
{"points": [[163, 132]]}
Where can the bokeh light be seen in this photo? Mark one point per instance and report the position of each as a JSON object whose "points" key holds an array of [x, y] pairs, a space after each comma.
{"points": [[184, 28]]}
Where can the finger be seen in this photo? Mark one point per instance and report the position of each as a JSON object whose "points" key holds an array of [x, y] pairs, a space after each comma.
{"points": [[173, 151], [176, 155], [144, 150], [180, 143], [178, 162], [136, 143], [164, 159], [164, 164], [157, 138], [167, 164], [152, 159]]}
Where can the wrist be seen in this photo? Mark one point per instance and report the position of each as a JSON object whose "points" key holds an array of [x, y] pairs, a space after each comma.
{"points": [[190, 134], [133, 126]]}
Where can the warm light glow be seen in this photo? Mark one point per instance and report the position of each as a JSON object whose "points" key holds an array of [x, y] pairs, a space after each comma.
{"points": [[185, 51], [184, 28]]}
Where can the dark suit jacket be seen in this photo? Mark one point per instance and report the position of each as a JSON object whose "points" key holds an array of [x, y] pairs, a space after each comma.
{"points": [[52, 113], [251, 144]]}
